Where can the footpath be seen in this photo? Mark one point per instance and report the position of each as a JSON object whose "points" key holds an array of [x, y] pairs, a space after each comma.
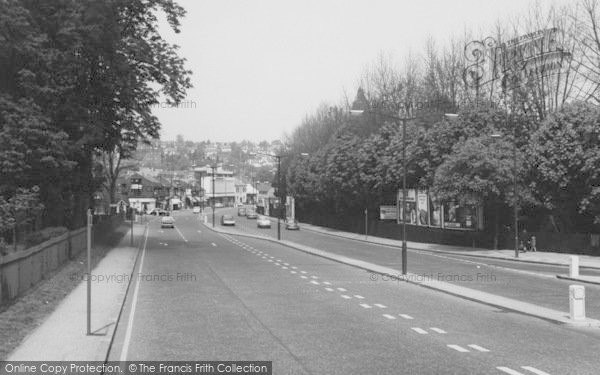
{"points": [[63, 335], [488, 298]]}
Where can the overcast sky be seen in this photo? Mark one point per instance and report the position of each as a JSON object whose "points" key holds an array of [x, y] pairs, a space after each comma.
{"points": [[259, 67]]}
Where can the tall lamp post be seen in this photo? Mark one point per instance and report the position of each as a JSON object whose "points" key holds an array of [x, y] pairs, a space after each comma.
{"points": [[402, 120], [213, 167], [279, 215]]}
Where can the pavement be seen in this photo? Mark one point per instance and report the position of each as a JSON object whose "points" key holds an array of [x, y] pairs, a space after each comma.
{"points": [[110, 280]]}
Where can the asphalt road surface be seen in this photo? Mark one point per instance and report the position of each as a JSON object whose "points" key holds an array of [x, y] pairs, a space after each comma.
{"points": [[206, 296]]}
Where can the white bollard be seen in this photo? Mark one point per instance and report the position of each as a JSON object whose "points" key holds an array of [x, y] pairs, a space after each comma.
{"points": [[574, 266], [577, 302], [205, 219]]}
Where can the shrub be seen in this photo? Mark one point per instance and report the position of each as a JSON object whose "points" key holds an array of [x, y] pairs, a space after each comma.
{"points": [[44, 235]]}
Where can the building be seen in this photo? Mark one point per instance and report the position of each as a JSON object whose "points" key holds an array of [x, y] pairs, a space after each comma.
{"points": [[143, 193], [224, 185]]}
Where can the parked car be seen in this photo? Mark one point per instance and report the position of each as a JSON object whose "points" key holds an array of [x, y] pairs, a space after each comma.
{"points": [[251, 214], [227, 220], [291, 224], [196, 209], [263, 222], [219, 205], [159, 212], [241, 211], [167, 222]]}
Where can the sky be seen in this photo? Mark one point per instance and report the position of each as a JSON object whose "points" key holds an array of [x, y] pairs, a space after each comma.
{"points": [[261, 66]]}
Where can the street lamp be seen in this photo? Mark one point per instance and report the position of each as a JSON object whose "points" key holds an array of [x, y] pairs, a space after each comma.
{"points": [[515, 190], [403, 120], [279, 185]]}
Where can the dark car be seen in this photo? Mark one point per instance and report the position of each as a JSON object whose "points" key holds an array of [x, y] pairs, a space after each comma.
{"points": [[291, 224], [159, 212], [227, 220]]}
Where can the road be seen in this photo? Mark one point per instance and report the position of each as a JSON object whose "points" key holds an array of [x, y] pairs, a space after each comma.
{"points": [[530, 282], [209, 296]]}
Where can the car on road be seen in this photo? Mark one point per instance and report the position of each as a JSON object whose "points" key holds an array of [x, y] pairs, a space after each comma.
{"points": [[227, 220], [219, 205], [196, 209], [241, 211], [167, 222], [251, 214], [291, 224], [159, 212], [263, 222]]}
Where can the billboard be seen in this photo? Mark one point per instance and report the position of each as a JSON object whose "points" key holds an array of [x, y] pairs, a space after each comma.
{"points": [[388, 212]]}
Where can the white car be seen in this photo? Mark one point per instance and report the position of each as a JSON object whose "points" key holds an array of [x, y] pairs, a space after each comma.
{"points": [[167, 221], [196, 209], [263, 222]]}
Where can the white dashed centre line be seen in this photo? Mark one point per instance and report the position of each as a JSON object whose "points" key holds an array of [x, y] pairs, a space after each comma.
{"points": [[366, 306], [293, 272], [303, 272], [406, 316], [344, 296], [420, 331], [534, 370], [327, 289], [314, 277], [304, 277], [214, 244], [284, 267], [326, 283], [294, 267], [341, 289], [286, 264], [314, 282], [380, 306], [458, 348], [478, 348], [358, 296], [390, 317], [438, 330]]}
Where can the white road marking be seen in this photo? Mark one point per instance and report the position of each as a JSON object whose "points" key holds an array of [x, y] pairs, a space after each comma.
{"points": [[344, 296], [294, 267], [380, 306], [509, 370], [286, 264], [279, 260], [304, 277], [458, 348], [534, 370], [366, 306], [439, 330], [214, 244], [479, 348], [359, 296], [201, 232], [181, 234], [293, 272], [129, 330], [326, 283], [341, 289], [327, 289], [314, 277], [390, 317], [277, 264], [166, 244], [419, 330], [284, 267], [406, 316], [303, 272], [270, 260], [314, 282]]}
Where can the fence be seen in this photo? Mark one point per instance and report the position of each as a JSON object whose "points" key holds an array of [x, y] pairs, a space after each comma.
{"points": [[573, 243], [19, 271]]}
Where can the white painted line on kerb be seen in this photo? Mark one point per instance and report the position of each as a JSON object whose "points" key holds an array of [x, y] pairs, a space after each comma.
{"points": [[479, 348], [366, 306], [390, 317], [129, 330], [359, 296], [534, 370], [439, 330], [344, 296], [458, 348], [181, 234], [509, 370], [406, 316], [419, 330], [380, 306], [341, 289]]}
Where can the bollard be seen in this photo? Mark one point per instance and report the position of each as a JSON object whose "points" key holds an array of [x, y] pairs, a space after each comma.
{"points": [[577, 302], [574, 266]]}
